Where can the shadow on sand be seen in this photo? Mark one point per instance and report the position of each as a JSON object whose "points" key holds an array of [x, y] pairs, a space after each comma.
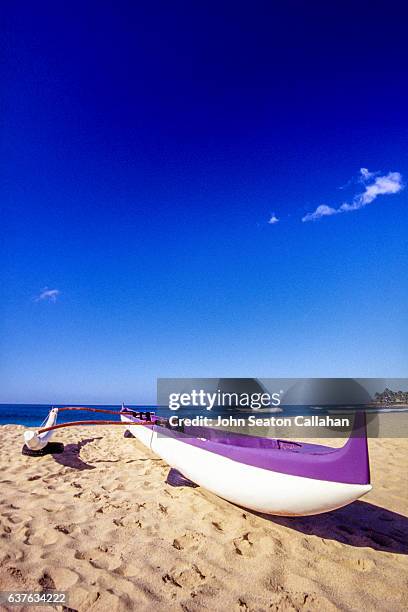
{"points": [[359, 524], [70, 455]]}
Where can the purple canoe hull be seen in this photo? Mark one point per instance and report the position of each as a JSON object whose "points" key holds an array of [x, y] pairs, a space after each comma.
{"points": [[348, 464]]}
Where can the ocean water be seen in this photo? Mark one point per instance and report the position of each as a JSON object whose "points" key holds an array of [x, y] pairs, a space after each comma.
{"points": [[32, 415]]}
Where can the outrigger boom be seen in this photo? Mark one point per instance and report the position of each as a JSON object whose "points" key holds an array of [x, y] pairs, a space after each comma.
{"points": [[38, 440], [76, 423]]}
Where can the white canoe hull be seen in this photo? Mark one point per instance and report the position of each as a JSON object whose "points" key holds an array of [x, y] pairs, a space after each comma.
{"points": [[252, 487]]}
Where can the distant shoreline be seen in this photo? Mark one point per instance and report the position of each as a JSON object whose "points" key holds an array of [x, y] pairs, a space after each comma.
{"points": [[388, 405]]}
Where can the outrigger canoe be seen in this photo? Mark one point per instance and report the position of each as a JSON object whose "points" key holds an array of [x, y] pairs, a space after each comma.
{"points": [[265, 475]]}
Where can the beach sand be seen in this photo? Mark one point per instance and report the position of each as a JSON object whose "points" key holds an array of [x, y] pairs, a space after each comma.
{"points": [[99, 522]]}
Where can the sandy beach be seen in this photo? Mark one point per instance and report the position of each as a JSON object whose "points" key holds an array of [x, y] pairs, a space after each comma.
{"points": [[99, 522]]}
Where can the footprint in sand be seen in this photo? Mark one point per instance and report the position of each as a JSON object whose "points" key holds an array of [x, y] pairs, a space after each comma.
{"points": [[346, 529], [217, 525], [292, 600], [5, 531], [244, 545], [15, 573], [62, 578], [110, 563], [46, 582], [82, 598], [190, 577], [100, 559], [128, 521], [191, 540], [15, 520], [12, 507], [67, 529], [4, 557], [45, 536], [380, 539], [128, 570], [307, 545], [19, 555]]}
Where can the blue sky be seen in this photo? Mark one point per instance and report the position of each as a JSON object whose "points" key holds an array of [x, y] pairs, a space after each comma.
{"points": [[146, 149]]}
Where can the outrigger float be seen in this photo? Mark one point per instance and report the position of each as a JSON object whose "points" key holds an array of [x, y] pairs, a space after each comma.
{"points": [[266, 475]]}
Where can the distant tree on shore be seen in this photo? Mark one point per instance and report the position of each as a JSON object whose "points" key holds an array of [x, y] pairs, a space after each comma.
{"points": [[391, 397]]}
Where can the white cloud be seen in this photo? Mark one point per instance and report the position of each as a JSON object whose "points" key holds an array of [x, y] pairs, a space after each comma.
{"points": [[49, 295], [365, 174], [387, 184], [274, 219], [321, 211], [383, 185]]}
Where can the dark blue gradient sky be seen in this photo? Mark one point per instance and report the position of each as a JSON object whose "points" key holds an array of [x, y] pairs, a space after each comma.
{"points": [[146, 146]]}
